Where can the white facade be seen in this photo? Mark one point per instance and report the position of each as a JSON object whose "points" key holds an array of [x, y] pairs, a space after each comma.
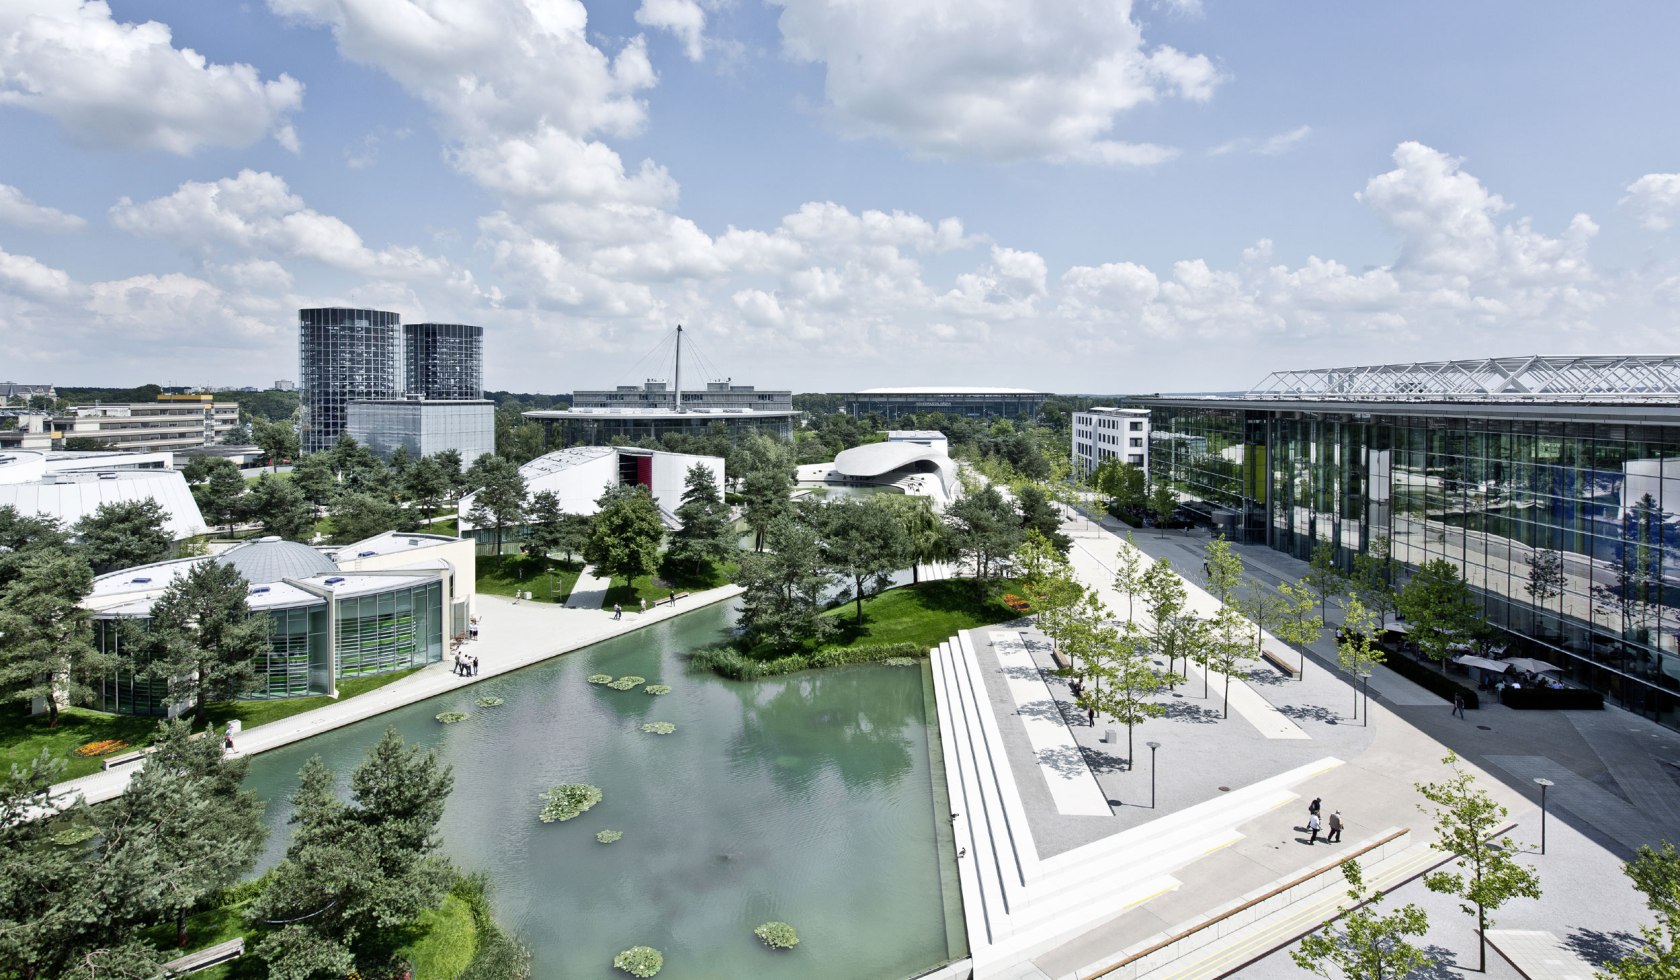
{"points": [[1110, 433], [34, 483], [578, 476]]}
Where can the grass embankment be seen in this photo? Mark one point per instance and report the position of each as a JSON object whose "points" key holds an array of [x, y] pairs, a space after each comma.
{"points": [[658, 588], [904, 622], [22, 737], [506, 574]]}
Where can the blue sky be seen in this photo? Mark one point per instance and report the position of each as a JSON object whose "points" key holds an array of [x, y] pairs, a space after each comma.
{"points": [[832, 194]]}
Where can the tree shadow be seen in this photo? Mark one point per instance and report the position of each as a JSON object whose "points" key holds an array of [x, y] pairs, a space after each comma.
{"points": [[1600, 948], [1195, 713], [1443, 964], [1067, 760], [1103, 762], [1310, 712], [1268, 677], [1034, 673], [1046, 708]]}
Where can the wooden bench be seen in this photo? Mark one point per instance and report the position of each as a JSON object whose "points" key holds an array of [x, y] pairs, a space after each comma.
{"points": [[1061, 660], [125, 759], [1293, 670], [206, 958]]}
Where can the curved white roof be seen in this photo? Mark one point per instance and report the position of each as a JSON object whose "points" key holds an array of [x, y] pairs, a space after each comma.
{"points": [[22, 465], [880, 458], [72, 496]]}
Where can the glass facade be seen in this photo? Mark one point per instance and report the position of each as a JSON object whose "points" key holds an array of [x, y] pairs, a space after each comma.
{"points": [[961, 404], [343, 356], [444, 361], [562, 430], [1565, 524], [424, 427], [388, 631], [298, 657]]}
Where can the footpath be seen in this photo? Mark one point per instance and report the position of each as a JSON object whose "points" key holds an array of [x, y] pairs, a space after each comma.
{"points": [[512, 634]]}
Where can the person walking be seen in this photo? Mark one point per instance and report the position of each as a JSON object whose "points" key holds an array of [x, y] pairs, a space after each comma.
{"points": [[1313, 807], [618, 611], [1312, 828], [644, 605], [1458, 705], [1335, 834], [227, 741], [475, 667]]}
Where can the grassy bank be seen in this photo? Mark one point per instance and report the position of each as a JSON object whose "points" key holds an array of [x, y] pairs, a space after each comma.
{"points": [[658, 588], [547, 579]]}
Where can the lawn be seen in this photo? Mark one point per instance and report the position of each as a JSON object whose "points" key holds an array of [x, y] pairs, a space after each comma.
{"points": [[924, 614], [658, 588], [254, 713], [505, 574]]}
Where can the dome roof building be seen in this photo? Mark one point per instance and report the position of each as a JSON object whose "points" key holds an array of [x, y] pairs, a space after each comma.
{"points": [[274, 559]]}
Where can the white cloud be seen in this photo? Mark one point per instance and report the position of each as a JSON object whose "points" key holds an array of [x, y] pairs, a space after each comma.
{"points": [[1266, 146], [993, 79], [1656, 199], [256, 212], [28, 277], [683, 18], [126, 85], [17, 209], [552, 165]]}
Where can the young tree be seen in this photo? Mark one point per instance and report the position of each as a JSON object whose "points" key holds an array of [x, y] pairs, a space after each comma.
{"points": [[983, 528], [1225, 650], [1037, 514], [1224, 570], [863, 542], [1299, 625], [625, 534], [279, 507], [123, 534], [925, 535], [1656, 874], [1366, 944], [1132, 681], [785, 587], [499, 501], [362, 515], [219, 491], [1373, 577], [203, 639], [1263, 607], [705, 537], [46, 642], [356, 873], [1357, 652], [1325, 577], [1487, 874], [1128, 575], [1440, 608], [1162, 503]]}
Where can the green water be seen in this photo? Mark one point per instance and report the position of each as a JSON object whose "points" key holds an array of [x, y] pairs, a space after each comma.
{"points": [[807, 799]]}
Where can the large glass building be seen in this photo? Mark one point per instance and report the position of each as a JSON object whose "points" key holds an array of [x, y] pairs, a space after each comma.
{"points": [[968, 403], [344, 356], [1552, 484], [423, 428], [444, 361]]}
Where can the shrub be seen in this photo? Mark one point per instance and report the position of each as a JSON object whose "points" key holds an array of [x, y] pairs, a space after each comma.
{"points": [[566, 801], [627, 682], [609, 836], [777, 935], [489, 701], [451, 717], [600, 678], [901, 661], [1432, 679], [640, 961], [659, 728], [658, 689], [496, 956]]}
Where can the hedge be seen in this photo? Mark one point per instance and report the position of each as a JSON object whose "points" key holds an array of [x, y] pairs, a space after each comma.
{"points": [[1433, 679], [1568, 699]]}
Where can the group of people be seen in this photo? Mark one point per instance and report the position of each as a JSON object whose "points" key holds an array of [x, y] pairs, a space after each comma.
{"points": [[465, 666], [1516, 681], [1334, 835]]}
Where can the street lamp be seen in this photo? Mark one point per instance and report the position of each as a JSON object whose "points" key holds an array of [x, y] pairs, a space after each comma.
{"points": [[1543, 782], [1152, 747]]}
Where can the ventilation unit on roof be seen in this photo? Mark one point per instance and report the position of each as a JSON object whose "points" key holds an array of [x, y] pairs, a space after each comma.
{"points": [[335, 580], [107, 476], [413, 541], [258, 589], [366, 554], [142, 580]]}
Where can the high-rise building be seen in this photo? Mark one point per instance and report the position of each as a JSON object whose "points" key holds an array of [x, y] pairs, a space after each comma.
{"points": [[444, 361], [344, 355]]}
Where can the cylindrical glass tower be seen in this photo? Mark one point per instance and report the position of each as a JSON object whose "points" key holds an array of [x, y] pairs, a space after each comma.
{"points": [[343, 356], [445, 361]]}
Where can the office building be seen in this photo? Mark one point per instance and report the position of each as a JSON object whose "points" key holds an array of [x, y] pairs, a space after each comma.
{"points": [[658, 395], [968, 403], [443, 361], [173, 422], [1551, 483], [423, 427], [1110, 433], [344, 356]]}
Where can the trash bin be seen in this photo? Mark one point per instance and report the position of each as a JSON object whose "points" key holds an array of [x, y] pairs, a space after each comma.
{"points": [[1111, 737]]}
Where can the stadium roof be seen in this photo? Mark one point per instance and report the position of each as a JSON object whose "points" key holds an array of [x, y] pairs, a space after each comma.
{"points": [[1532, 378], [939, 390]]}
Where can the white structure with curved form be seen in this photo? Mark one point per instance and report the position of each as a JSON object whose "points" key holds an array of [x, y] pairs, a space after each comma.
{"points": [[914, 468], [56, 486]]}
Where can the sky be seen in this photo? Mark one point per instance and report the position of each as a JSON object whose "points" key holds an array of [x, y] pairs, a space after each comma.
{"points": [[1069, 195]]}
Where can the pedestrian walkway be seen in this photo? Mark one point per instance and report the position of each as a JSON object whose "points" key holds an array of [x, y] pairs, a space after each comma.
{"points": [[1072, 786], [590, 592], [1538, 954]]}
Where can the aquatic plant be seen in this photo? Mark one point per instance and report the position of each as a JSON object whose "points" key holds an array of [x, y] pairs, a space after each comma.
{"points": [[600, 678], [658, 689], [659, 728], [609, 836], [451, 717], [777, 935], [640, 961], [567, 800], [489, 701], [900, 662], [627, 682]]}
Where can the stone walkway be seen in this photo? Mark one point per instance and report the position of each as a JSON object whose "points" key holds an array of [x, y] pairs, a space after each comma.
{"points": [[590, 591]]}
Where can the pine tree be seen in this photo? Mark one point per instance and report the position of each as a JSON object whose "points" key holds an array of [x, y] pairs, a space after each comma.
{"points": [[704, 536], [123, 534], [281, 509], [203, 639], [46, 640]]}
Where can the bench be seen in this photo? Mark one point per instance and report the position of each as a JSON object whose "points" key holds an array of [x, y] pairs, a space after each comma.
{"points": [[206, 958], [678, 595], [124, 759], [1061, 660], [1293, 670]]}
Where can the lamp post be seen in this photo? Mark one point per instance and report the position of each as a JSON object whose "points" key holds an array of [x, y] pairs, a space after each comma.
{"points": [[1543, 782], [1152, 747]]}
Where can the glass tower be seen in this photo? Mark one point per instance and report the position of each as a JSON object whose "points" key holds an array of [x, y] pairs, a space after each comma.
{"points": [[445, 361], [343, 356]]}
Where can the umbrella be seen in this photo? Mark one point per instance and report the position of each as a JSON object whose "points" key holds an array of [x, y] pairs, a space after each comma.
{"points": [[1481, 663], [1397, 628], [1531, 665]]}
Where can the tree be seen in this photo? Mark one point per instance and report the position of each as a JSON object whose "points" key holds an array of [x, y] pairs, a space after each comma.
{"points": [[625, 534], [1299, 625], [1366, 944], [704, 536], [1225, 649], [187, 807], [1038, 515], [1164, 598], [219, 490], [1373, 577], [1440, 608], [543, 523], [1656, 874], [863, 542], [1224, 570], [1125, 485], [356, 872], [362, 515], [499, 501], [1133, 681], [1357, 652], [203, 639], [280, 508], [449, 460], [46, 640], [785, 587], [278, 440], [1324, 577], [315, 478], [425, 483], [925, 536], [123, 534], [983, 528], [1487, 875], [1128, 575], [23, 536], [1263, 607], [766, 482], [1162, 503]]}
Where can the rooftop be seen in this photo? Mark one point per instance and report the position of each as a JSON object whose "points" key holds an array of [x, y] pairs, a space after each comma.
{"points": [[940, 390], [390, 543], [272, 559], [662, 413], [1531, 378]]}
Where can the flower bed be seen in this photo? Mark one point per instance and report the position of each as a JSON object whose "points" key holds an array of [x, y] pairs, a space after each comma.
{"points": [[105, 746]]}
